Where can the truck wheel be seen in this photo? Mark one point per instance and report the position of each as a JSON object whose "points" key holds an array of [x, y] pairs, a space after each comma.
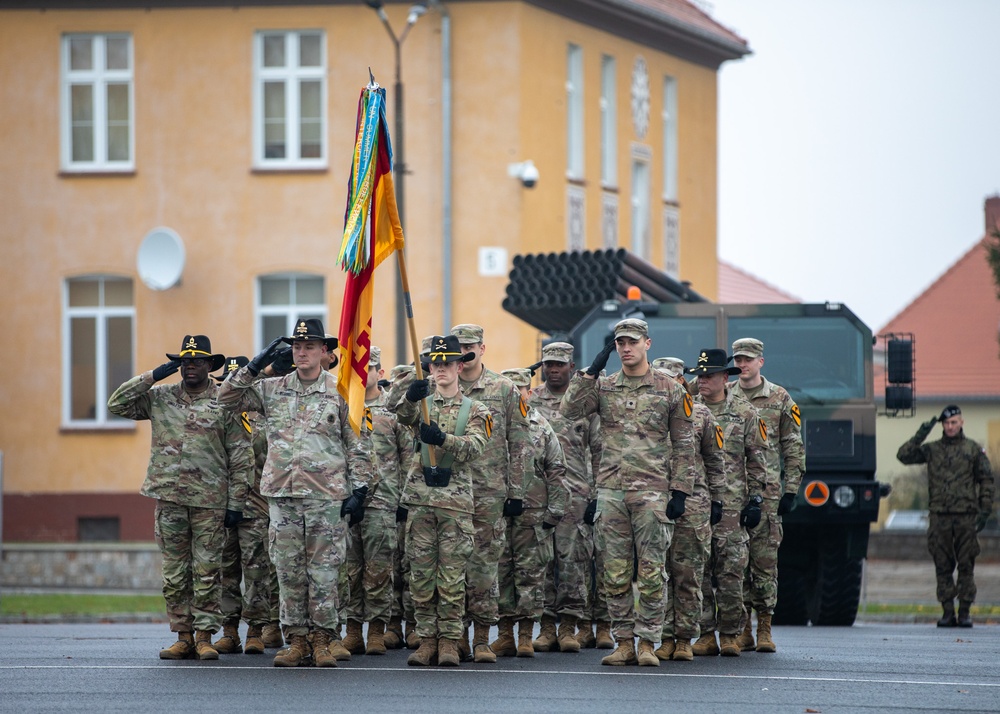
{"points": [[792, 607], [838, 590]]}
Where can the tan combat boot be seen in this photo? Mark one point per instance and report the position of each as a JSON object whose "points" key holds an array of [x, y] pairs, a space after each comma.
{"points": [[272, 635], [646, 656], [764, 641], [729, 647], [393, 637], [255, 642], [376, 638], [354, 642], [410, 636], [338, 650], [424, 654], [464, 648], [604, 639], [504, 645], [745, 638], [546, 640], [481, 651], [585, 634], [203, 645], [666, 649], [682, 650], [525, 628], [322, 656], [447, 652], [625, 654], [297, 653], [183, 648], [229, 643], [706, 646], [567, 634]]}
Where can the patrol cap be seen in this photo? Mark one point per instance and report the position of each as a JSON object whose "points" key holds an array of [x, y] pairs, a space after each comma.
{"points": [[949, 411], [375, 356], [468, 334], [521, 376], [674, 366], [557, 352], [632, 327], [399, 370], [748, 347], [425, 345]]}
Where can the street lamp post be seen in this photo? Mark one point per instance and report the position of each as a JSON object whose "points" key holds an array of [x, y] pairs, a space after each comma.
{"points": [[399, 161]]}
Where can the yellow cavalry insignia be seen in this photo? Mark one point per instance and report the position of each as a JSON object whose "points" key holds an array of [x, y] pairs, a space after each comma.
{"points": [[524, 407], [368, 419], [719, 439], [763, 429], [796, 415], [688, 404], [245, 420], [489, 425]]}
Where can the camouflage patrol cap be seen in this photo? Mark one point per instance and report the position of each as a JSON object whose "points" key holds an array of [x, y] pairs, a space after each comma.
{"points": [[748, 347], [468, 334], [557, 352], [400, 370], [632, 327], [521, 377], [375, 356], [425, 345], [674, 366]]}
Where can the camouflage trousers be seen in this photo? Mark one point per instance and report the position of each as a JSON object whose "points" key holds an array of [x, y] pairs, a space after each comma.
{"points": [[952, 542], [366, 579], [722, 585], [760, 585], [568, 576], [526, 554], [439, 545], [245, 560], [402, 603], [482, 588], [308, 542], [688, 554], [634, 524], [191, 542]]}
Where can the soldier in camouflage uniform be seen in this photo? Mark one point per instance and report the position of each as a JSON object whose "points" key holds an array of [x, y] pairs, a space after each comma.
{"points": [[367, 575], [647, 449], [439, 499], [786, 460], [691, 544], [199, 469], [960, 486], [498, 484], [317, 472], [528, 548], [569, 599]]}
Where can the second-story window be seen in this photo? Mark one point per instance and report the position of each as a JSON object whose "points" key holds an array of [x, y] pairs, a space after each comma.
{"points": [[285, 298], [574, 112]]}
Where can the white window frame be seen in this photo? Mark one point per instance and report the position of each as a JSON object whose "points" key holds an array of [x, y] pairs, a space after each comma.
{"points": [[103, 419], [574, 112], [640, 204], [670, 139], [99, 77], [290, 311], [609, 122], [292, 75]]}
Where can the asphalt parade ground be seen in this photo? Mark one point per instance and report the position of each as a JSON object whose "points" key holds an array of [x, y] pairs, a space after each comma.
{"points": [[871, 667]]}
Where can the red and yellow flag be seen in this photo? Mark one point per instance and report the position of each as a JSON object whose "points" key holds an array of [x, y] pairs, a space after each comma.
{"points": [[371, 233]]}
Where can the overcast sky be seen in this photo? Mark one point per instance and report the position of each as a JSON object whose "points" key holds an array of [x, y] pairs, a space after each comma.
{"points": [[857, 144]]}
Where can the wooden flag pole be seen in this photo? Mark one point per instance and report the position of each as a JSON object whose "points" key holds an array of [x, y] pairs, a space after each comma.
{"points": [[414, 346]]}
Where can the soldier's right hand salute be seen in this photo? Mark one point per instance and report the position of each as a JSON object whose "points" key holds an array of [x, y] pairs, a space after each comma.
{"points": [[265, 358], [166, 369], [601, 360]]}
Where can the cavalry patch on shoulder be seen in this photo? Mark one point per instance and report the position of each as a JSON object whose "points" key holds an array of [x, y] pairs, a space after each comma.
{"points": [[489, 425], [763, 429], [368, 419], [688, 404], [719, 438], [523, 406], [796, 415], [245, 421]]}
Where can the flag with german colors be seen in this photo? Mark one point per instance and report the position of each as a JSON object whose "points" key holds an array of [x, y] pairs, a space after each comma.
{"points": [[371, 233]]}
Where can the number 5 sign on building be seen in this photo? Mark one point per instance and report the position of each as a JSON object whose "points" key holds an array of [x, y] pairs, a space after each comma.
{"points": [[493, 262]]}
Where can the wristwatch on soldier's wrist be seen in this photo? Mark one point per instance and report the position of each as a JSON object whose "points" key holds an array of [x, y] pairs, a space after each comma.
{"points": [[755, 498]]}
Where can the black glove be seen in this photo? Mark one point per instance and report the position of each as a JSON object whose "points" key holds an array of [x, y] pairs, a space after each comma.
{"points": [[675, 508], [419, 389], [354, 506], [534, 367], [233, 518], [981, 520], [786, 504], [548, 526], [750, 515], [601, 360], [588, 515], [929, 424], [401, 513], [384, 383], [716, 513], [431, 434], [166, 369], [283, 363], [513, 507], [264, 358]]}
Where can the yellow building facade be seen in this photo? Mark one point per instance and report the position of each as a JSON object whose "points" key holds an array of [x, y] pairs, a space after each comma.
{"points": [[228, 128]]}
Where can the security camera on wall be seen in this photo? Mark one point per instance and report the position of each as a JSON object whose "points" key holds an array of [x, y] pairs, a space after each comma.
{"points": [[525, 171]]}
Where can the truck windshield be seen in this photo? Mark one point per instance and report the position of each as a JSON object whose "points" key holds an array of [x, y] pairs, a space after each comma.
{"points": [[817, 360]]}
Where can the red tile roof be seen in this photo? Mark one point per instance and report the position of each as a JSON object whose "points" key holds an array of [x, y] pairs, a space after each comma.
{"points": [[689, 14], [738, 286]]}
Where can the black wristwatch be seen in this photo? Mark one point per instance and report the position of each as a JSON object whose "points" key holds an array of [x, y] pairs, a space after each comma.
{"points": [[756, 498]]}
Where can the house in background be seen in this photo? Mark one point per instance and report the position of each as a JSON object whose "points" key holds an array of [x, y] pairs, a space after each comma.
{"points": [[738, 286]]}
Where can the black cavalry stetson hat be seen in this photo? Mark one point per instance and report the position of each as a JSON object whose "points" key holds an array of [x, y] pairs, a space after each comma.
{"points": [[445, 349], [311, 329], [232, 364], [711, 361], [198, 347]]}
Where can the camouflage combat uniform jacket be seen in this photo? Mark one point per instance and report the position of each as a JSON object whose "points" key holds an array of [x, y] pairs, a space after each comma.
{"points": [[575, 438], [256, 503], [200, 455], [312, 451], [786, 457], [392, 447], [546, 487], [710, 465], [959, 476], [745, 439]]}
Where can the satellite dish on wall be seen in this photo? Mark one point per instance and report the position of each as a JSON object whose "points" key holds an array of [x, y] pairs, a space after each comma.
{"points": [[161, 259]]}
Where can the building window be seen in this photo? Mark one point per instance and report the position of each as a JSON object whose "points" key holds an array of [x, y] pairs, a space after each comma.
{"points": [[290, 100], [98, 529], [574, 112], [670, 139], [98, 347], [609, 128], [97, 103], [672, 242], [283, 300], [640, 208]]}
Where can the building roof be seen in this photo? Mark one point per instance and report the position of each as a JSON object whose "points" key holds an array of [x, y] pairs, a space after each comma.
{"points": [[688, 13], [738, 286]]}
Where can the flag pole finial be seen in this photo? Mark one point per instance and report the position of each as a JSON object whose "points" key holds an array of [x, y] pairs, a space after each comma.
{"points": [[372, 84]]}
